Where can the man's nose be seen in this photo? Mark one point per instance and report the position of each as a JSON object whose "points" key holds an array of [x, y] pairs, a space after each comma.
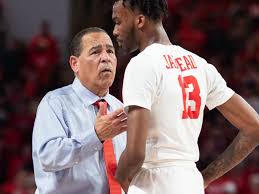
{"points": [[115, 32], [105, 56]]}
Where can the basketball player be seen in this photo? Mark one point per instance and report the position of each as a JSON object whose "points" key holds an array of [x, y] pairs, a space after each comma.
{"points": [[165, 91]]}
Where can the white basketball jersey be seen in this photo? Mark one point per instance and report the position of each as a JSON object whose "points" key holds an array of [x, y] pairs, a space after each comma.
{"points": [[175, 85]]}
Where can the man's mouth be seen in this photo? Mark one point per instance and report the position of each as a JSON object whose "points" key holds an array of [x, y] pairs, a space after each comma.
{"points": [[106, 70]]}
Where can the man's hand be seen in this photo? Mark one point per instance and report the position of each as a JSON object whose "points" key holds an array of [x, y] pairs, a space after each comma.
{"points": [[111, 124]]}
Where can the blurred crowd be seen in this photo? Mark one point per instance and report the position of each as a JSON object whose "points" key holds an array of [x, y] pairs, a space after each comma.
{"points": [[27, 71], [225, 33]]}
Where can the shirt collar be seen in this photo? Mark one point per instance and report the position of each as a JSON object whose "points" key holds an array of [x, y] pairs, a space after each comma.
{"points": [[86, 95]]}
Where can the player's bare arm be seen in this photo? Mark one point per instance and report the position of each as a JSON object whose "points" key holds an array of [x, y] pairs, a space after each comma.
{"points": [[133, 156], [245, 118]]}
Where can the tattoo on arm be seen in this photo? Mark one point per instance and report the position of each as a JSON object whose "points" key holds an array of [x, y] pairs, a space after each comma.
{"points": [[233, 155]]}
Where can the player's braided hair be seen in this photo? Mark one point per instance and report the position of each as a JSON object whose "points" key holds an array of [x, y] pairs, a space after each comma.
{"points": [[154, 9], [76, 43]]}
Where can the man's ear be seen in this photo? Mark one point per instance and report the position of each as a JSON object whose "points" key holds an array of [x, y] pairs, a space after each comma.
{"points": [[140, 21], [74, 63]]}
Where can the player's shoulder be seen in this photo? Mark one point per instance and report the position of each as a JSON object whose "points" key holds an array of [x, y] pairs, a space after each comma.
{"points": [[184, 51], [156, 50], [148, 56]]}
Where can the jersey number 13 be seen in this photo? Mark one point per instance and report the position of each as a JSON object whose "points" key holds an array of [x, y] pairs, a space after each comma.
{"points": [[191, 110]]}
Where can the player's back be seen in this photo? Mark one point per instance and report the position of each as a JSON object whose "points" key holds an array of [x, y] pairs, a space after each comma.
{"points": [[175, 85]]}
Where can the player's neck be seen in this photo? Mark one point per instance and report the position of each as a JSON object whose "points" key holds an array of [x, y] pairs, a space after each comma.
{"points": [[153, 34]]}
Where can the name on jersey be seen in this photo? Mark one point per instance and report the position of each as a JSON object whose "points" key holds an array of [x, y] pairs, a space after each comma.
{"points": [[183, 63]]}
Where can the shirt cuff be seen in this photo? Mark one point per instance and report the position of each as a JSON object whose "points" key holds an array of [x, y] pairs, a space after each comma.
{"points": [[91, 143]]}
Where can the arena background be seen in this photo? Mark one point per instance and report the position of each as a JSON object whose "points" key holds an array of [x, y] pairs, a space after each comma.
{"points": [[225, 32]]}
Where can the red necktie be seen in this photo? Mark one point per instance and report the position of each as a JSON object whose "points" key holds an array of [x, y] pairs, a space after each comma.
{"points": [[110, 160]]}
